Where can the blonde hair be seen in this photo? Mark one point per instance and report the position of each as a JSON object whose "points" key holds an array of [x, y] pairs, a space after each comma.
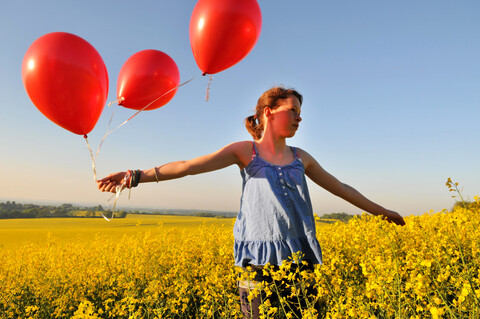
{"points": [[254, 123]]}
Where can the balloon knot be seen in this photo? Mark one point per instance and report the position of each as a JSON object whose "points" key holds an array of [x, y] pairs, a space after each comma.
{"points": [[85, 136], [204, 73]]}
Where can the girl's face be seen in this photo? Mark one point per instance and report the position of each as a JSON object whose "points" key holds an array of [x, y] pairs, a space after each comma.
{"points": [[285, 119]]}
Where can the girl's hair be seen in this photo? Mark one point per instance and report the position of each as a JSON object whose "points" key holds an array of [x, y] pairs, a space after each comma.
{"points": [[255, 123]]}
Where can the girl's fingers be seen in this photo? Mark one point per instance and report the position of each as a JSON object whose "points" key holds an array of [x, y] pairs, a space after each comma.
{"points": [[112, 188], [109, 183], [107, 186], [397, 219], [102, 187], [105, 179], [113, 177]]}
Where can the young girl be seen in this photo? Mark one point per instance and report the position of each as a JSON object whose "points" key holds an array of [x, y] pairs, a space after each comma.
{"points": [[276, 217]]}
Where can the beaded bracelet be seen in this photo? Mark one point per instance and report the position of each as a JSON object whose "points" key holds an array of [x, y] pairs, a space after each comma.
{"points": [[138, 177], [132, 178], [135, 179]]}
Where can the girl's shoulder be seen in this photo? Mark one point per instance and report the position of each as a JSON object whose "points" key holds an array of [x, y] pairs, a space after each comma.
{"points": [[243, 150], [298, 150], [242, 146], [304, 155], [243, 143]]}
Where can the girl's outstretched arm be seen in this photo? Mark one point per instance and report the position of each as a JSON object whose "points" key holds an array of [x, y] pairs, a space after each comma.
{"points": [[324, 179], [235, 153]]}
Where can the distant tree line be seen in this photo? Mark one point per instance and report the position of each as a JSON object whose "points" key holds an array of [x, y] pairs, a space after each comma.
{"points": [[186, 212], [11, 209], [344, 217]]}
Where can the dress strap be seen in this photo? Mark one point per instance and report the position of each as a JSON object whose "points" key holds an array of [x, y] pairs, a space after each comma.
{"points": [[254, 150], [295, 152]]}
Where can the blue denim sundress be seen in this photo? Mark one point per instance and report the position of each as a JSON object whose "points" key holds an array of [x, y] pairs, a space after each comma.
{"points": [[276, 217]]}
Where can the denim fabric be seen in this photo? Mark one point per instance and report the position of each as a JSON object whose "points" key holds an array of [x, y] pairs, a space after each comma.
{"points": [[276, 216]]}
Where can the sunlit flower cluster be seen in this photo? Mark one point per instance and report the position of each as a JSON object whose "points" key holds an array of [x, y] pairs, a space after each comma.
{"points": [[429, 268]]}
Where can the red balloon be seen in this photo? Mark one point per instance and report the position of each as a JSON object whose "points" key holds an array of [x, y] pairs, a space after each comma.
{"points": [[223, 32], [145, 78], [66, 80]]}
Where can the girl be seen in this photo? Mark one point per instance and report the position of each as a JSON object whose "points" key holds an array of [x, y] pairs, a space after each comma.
{"points": [[276, 217]]}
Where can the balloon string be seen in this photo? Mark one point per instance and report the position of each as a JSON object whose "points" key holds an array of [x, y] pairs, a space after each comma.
{"points": [[146, 106], [113, 113], [118, 191], [207, 95], [93, 159], [119, 188], [108, 126], [120, 100]]}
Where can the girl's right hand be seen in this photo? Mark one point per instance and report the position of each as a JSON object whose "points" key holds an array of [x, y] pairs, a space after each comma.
{"points": [[394, 217], [110, 183]]}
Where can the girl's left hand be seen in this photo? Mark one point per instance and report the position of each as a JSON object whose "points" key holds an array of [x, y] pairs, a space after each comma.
{"points": [[394, 217]]}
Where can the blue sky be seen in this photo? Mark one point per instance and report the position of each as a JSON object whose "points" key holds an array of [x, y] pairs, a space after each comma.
{"points": [[391, 101]]}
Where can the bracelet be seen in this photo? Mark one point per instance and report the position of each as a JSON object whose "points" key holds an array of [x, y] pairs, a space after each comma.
{"points": [[155, 171], [135, 179], [132, 179], [128, 178], [138, 177]]}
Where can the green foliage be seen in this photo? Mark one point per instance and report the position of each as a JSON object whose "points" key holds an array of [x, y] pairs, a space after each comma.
{"points": [[184, 212], [461, 204], [204, 214], [344, 217], [11, 209]]}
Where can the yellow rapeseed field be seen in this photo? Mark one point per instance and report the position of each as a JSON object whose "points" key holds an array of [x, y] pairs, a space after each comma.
{"points": [[16, 232], [150, 267]]}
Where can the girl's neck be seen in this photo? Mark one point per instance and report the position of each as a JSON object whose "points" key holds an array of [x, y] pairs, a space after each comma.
{"points": [[273, 144], [274, 150]]}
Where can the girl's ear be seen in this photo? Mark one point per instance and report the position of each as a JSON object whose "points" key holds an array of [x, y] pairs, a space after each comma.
{"points": [[267, 112]]}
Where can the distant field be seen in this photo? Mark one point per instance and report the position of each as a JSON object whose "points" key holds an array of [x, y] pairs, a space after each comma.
{"points": [[17, 232]]}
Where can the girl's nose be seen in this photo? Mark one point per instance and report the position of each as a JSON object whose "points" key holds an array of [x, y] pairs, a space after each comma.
{"points": [[299, 118]]}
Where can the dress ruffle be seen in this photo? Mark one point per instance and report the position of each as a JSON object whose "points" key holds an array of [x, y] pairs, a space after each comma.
{"points": [[274, 252]]}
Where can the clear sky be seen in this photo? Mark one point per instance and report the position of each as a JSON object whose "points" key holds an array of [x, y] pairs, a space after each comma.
{"points": [[391, 101]]}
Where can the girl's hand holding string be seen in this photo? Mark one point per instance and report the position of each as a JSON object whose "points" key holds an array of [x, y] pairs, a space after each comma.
{"points": [[110, 183]]}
